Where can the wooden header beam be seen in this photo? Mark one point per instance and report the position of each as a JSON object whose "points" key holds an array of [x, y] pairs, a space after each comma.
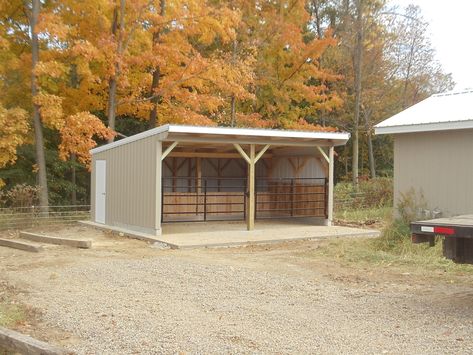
{"points": [[216, 155]]}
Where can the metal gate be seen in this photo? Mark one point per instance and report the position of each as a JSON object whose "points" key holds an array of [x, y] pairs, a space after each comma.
{"points": [[291, 197], [186, 199], [203, 199]]}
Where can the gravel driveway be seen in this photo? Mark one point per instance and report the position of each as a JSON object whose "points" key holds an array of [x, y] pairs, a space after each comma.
{"points": [[236, 301]]}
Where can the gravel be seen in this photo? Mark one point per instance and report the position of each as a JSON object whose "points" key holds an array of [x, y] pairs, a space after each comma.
{"points": [[173, 303]]}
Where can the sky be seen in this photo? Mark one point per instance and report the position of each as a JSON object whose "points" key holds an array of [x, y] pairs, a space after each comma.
{"points": [[451, 34]]}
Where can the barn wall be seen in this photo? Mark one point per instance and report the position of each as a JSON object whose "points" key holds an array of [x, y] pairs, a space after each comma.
{"points": [[131, 185], [314, 167], [438, 164]]}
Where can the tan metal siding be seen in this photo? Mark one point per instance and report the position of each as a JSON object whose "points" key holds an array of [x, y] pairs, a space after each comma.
{"points": [[131, 185], [440, 164], [314, 167]]}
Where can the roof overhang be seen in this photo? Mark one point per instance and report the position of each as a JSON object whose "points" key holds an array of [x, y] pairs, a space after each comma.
{"points": [[427, 127], [226, 135]]}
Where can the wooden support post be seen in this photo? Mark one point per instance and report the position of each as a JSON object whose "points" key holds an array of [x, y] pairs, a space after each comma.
{"points": [[251, 189], [198, 183], [330, 186], [158, 189], [198, 174], [251, 160], [189, 172], [174, 174], [219, 174]]}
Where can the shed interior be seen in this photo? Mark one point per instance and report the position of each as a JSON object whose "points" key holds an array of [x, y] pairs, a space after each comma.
{"points": [[203, 182]]}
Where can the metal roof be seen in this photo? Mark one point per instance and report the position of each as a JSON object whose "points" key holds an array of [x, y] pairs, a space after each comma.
{"points": [[446, 111], [227, 134]]}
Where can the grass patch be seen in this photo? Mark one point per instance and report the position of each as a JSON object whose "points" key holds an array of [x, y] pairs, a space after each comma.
{"points": [[363, 216], [374, 253], [11, 314]]}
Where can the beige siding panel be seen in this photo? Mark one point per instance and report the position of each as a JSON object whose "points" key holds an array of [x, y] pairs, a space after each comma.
{"points": [[438, 164], [313, 168], [131, 185]]}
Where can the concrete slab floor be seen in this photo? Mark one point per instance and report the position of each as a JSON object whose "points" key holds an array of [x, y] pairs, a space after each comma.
{"points": [[229, 233]]}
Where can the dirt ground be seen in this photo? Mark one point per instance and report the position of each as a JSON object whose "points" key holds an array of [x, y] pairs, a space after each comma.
{"points": [[125, 296]]}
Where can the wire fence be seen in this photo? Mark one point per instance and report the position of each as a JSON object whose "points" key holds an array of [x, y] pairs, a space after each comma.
{"points": [[360, 201], [38, 216], [355, 201]]}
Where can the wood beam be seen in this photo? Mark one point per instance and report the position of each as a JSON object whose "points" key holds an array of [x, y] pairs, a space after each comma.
{"points": [[330, 186], [243, 153], [274, 142], [261, 152], [198, 174], [327, 159], [251, 185], [169, 149], [210, 155]]}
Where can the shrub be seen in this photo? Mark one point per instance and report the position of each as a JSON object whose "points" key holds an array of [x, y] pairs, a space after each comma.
{"points": [[21, 195], [396, 234], [373, 193]]}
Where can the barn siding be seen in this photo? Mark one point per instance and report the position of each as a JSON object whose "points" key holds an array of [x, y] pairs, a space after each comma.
{"points": [[131, 185], [438, 164]]}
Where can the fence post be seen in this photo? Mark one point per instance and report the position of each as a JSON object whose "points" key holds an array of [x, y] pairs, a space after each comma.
{"points": [[256, 198], [244, 198], [162, 198], [326, 197], [205, 200], [292, 197]]}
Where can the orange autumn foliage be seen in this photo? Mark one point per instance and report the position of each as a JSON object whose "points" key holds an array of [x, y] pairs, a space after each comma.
{"points": [[77, 136]]}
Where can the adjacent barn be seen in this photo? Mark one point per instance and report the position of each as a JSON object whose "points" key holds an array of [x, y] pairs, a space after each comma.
{"points": [[184, 173], [433, 151]]}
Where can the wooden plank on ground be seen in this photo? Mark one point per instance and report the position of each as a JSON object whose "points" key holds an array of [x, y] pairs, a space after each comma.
{"points": [[15, 244], [76, 243], [24, 344]]}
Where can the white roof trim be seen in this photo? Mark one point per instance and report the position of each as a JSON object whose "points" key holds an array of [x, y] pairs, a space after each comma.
{"points": [[446, 111], [225, 131], [430, 127]]}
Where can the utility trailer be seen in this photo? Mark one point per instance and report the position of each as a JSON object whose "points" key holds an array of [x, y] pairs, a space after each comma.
{"points": [[457, 233]]}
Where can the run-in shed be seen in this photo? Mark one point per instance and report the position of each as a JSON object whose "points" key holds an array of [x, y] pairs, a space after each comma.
{"points": [[433, 151], [185, 173]]}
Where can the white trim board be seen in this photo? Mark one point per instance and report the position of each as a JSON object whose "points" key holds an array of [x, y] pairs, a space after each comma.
{"points": [[340, 137], [430, 127]]}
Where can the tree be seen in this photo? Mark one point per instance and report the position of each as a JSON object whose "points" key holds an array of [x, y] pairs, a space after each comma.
{"points": [[38, 126], [13, 133], [39, 29], [290, 86]]}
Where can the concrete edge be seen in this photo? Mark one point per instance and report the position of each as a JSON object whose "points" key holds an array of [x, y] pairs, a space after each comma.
{"points": [[20, 245], [24, 344], [41, 238], [370, 234], [128, 233]]}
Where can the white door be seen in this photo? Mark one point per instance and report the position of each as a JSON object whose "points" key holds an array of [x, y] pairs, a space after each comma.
{"points": [[100, 190]]}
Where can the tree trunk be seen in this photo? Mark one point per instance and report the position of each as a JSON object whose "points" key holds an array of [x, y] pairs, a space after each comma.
{"points": [[316, 14], [406, 81], [38, 126], [112, 82], [357, 69], [372, 163], [73, 180], [233, 102], [153, 114]]}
